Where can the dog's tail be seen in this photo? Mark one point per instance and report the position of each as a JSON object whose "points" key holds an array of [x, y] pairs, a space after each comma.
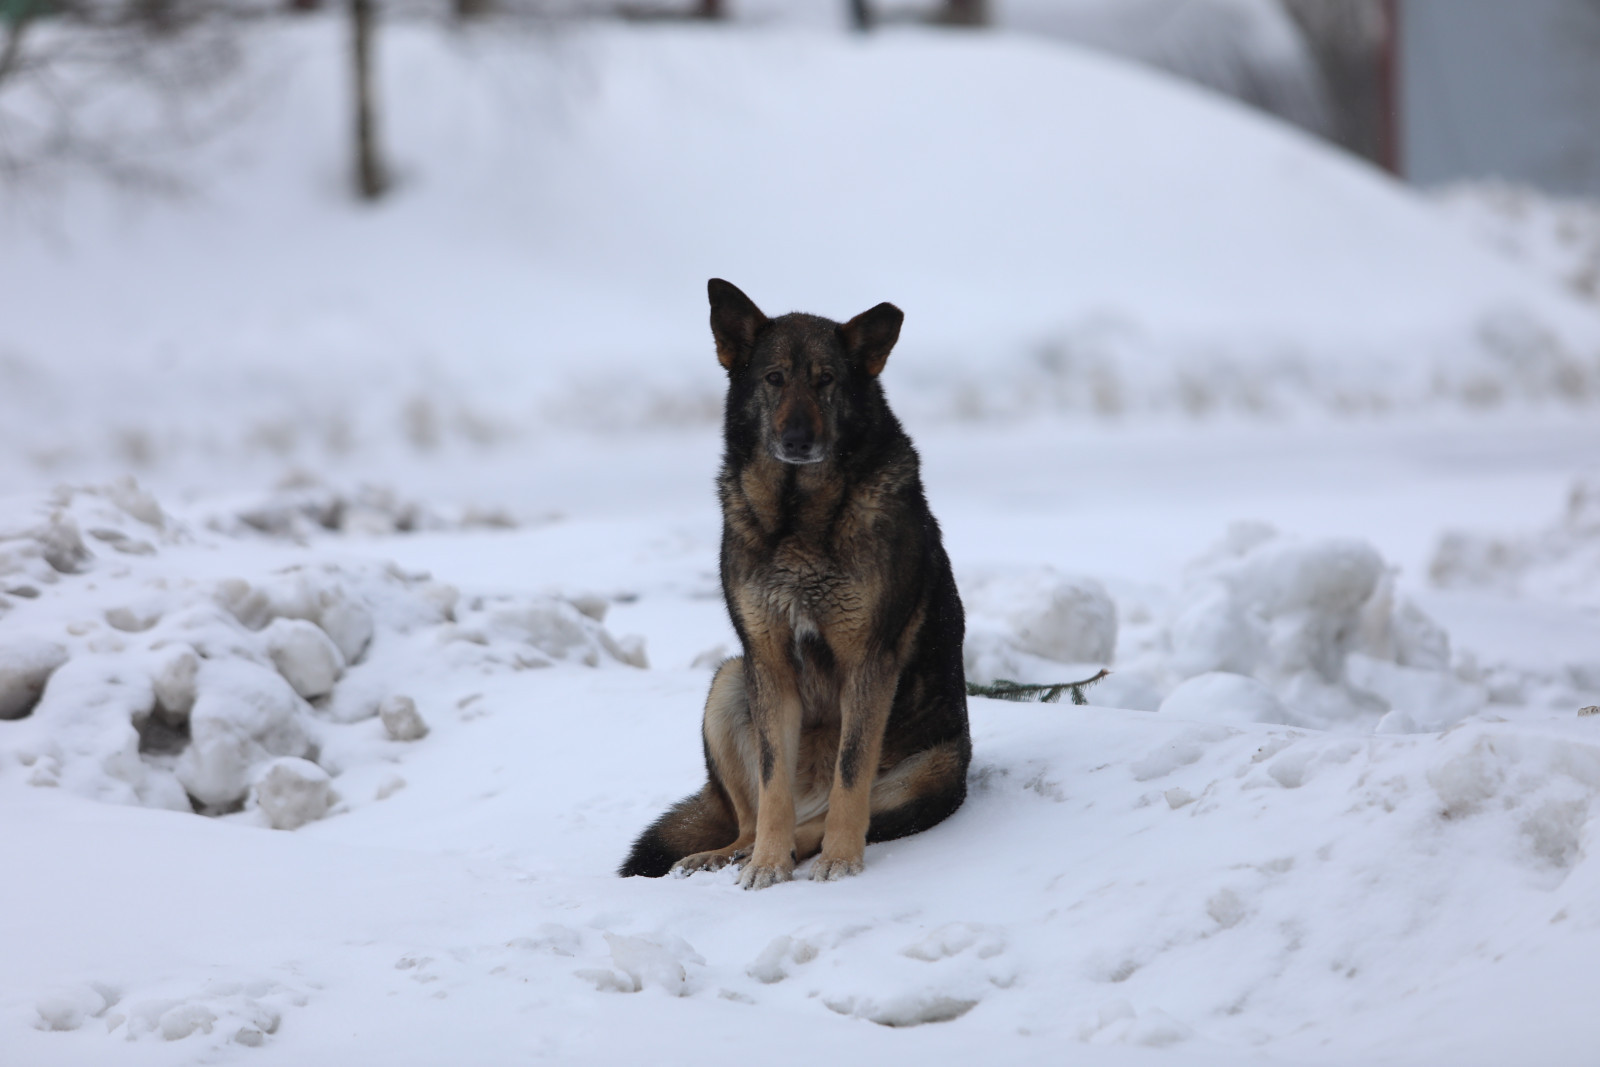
{"points": [[697, 823]]}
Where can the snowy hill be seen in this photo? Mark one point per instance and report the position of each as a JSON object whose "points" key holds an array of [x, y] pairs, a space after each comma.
{"points": [[1066, 234]]}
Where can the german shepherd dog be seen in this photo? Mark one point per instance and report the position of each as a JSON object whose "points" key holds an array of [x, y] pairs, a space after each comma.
{"points": [[845, 721]]}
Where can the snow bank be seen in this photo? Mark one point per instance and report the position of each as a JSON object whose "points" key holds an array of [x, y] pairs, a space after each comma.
{"points": [[128, 677]]}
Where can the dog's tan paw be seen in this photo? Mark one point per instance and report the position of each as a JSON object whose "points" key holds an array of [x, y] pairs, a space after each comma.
{"points": [[833, 868], [701, 861], [760, 875]]}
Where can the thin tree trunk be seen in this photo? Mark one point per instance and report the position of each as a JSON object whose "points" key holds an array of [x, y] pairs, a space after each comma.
{"points": [[965, 13], [1347, 40], [370, 178], [861, 15], [11, 47], [156, 14], [711, 9]]}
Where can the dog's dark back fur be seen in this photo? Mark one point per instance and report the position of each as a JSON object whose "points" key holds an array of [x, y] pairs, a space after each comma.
{"points": [[826, 530]]}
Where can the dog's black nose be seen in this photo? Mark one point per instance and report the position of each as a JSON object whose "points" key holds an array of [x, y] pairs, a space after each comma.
{"points": [[796, 440]]}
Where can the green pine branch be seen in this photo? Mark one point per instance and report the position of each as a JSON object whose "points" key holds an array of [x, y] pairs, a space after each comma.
{"points": [[1005, 689]]}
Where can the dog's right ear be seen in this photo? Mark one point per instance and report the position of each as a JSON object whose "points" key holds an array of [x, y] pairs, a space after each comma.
{"points": [[735, 320]]}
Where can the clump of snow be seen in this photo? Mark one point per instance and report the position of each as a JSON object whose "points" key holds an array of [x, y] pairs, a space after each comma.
{"points": [[305, 655], [1015, 620], [292, 792], [1560, 562], [244, 716], [177, 672], [70, 1008], [401, 719]]}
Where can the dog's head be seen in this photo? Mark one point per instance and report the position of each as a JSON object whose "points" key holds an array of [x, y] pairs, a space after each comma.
{"points": [[799, 385]]}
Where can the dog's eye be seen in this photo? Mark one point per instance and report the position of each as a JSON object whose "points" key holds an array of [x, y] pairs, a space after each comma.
{"points": [[775, 378], [824, 378]]}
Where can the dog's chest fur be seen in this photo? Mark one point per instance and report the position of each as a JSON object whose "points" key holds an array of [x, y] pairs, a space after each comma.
{"points": [[789, 536]]}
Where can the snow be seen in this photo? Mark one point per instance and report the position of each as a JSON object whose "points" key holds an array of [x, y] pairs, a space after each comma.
{"points": [[321, 740], [562, 201]]}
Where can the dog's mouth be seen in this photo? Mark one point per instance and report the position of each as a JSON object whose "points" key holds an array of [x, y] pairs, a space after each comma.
{"points": [[799, 456]]}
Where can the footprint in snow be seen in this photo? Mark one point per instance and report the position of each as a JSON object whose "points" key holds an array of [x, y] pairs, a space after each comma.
{"points": [[244, 1013]]}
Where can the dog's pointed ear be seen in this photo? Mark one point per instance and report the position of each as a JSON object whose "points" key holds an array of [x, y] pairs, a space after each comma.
{"points": [[870, 335], [735, 320]]}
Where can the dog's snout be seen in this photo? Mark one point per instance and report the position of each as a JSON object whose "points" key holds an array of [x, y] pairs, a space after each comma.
{"points": [[797, 438]]}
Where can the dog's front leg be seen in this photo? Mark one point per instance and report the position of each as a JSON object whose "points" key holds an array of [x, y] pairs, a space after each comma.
{"points": [[864, 702], [775, 713]]}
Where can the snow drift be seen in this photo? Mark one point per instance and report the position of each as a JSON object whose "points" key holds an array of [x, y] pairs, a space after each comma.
{"points": [[131, 679]]}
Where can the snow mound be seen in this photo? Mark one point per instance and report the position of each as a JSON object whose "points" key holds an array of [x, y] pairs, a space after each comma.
{"points": [[1219, 696], [1265, 628], [1018, 622], [1271, 628], [1560, 562], [125, 677]]}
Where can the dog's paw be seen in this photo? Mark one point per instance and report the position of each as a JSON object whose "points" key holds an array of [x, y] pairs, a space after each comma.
{"points": [[714, 860], [760, 875], [832, 868]]}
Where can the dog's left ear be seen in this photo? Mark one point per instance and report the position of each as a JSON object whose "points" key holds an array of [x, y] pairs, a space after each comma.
{"points": [[870, 335]]}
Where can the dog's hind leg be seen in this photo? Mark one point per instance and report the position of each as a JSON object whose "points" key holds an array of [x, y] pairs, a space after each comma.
{"points": [[918, 792], [731, 763], [808, 838]]}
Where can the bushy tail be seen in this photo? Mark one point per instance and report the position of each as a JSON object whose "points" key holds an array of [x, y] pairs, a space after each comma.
{"points": [[697, 823]]}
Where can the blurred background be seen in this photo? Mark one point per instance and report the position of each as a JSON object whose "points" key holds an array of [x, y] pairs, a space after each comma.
{"points": [[431, 242]]}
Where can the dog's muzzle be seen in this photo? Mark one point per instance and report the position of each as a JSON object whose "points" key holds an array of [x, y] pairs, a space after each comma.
{"points": [[800, 456], [798, 445]]}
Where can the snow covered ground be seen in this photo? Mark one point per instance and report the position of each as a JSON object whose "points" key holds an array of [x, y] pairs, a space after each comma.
{"points": [[320, 741]]}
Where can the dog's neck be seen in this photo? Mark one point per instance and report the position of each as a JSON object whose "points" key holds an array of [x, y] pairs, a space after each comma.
{"points": [[766, 499], [786, 499]]}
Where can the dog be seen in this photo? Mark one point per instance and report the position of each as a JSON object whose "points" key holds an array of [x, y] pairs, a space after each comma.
{"points": [[845, 720]]}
